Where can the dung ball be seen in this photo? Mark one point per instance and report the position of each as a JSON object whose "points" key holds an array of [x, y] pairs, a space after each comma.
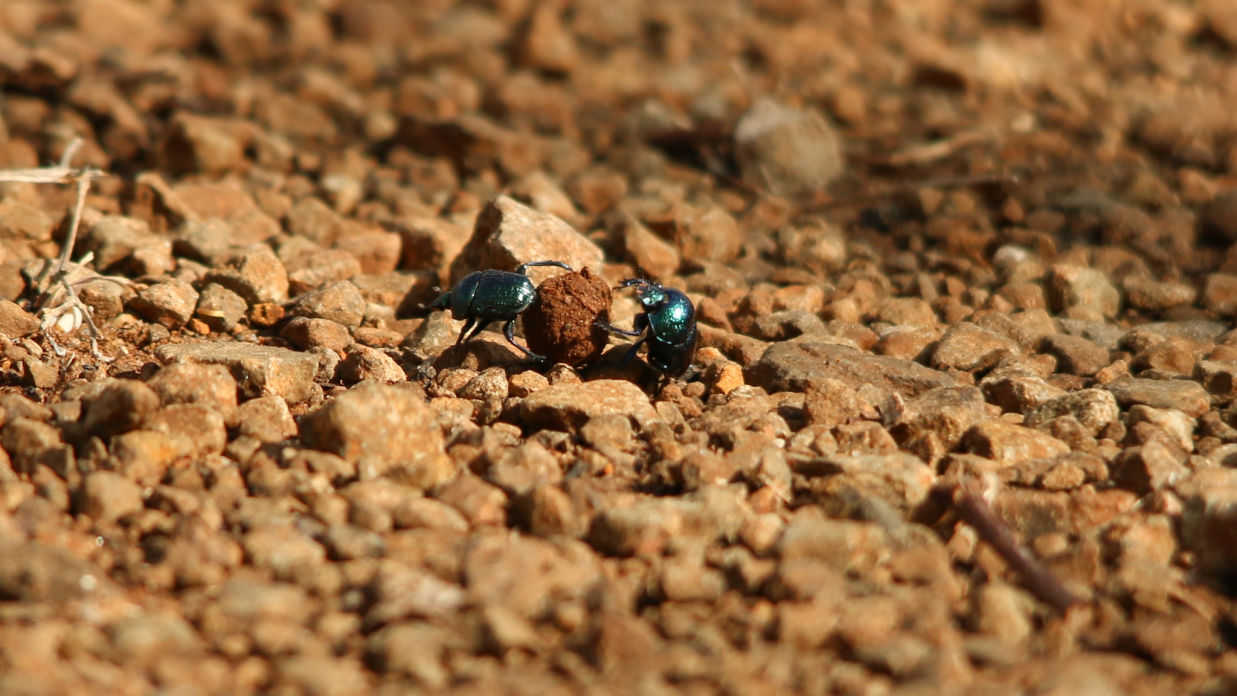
{"points": [[561, 322]]}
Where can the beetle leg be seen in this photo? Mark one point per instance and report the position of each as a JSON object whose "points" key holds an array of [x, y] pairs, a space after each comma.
{"points": [[525, 266], [479, 328], [509, 332], [616, 330], [464, 331], [631, 352]]}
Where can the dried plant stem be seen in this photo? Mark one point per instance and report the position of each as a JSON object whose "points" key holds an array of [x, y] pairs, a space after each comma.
{"points": [[83, 188], [972, 508], [53, 282]]}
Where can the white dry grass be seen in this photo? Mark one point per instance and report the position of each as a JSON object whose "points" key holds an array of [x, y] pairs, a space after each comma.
{"points": [[56, 302]]}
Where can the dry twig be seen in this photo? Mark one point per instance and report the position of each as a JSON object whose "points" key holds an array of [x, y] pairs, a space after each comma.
{"points": [[972, 508]]}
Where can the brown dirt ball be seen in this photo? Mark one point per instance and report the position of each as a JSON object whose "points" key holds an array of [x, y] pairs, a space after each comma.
{"points": [[560, 324]]}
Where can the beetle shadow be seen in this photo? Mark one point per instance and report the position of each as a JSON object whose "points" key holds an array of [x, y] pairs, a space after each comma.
{"points": [[613, 364], [488, 349]]}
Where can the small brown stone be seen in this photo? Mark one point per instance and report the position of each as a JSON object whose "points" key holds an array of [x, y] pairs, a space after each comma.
{"points": [[1011, 444], [220, 308], [1220, 294], [1075, 354], [170, 303], [969, 347], [1218, 218], [265, 314], [479, 502], [254, 273], [16, 322], [196, 383], [196, 430], [118, 406], [1086, 288], [508, 233], [107, 496], [389, 428], [365, 363], [305, 333], [266, 418], [647, 251], [1147, 467], [340, 302], [832, 402]]}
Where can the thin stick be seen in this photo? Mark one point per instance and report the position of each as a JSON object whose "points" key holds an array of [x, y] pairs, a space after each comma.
{"points": [[1039, 580], [926, 153], [66, 157], [41, 175], [60, 173], [83, 187]]}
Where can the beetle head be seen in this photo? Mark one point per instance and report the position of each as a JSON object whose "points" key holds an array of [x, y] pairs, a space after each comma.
{"points": [[462, 294], [650, 292]]}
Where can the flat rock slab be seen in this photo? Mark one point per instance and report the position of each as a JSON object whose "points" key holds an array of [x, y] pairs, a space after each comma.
{"points": [[1182, 395], [569, 406], [1201, 331], [259, 370], [793, 366]]}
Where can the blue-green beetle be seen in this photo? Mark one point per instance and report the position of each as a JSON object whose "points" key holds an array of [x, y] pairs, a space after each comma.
{"points": [[667, 325], [484, 297]]}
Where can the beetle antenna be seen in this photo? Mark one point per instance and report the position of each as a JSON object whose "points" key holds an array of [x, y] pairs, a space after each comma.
{"points": [[632, 283]]}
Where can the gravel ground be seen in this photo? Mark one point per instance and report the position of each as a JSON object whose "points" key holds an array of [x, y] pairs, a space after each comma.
{"points": [[962, 418]]}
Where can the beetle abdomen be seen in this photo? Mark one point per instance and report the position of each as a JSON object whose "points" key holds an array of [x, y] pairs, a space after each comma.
{"points": [[673, 359], [501, 295]]}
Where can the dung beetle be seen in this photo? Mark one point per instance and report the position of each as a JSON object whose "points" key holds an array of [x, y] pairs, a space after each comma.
{"points": [[484, 297], [667, 325]]}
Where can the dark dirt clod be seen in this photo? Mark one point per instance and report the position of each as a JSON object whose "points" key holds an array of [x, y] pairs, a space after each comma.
{"points": [[561, 324]]}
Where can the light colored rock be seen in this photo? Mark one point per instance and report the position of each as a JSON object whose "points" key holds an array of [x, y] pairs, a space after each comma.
{"points": [[339, 302], [390, 428], [569, 406], [170, 303], [968, 347], [258, 370], [1077, 286], [793, 152], [1183, 395], [1094, 408], [508, 233]]}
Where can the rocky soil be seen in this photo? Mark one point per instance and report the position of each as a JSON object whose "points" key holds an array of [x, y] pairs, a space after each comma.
{"points": [[963, 417]]}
